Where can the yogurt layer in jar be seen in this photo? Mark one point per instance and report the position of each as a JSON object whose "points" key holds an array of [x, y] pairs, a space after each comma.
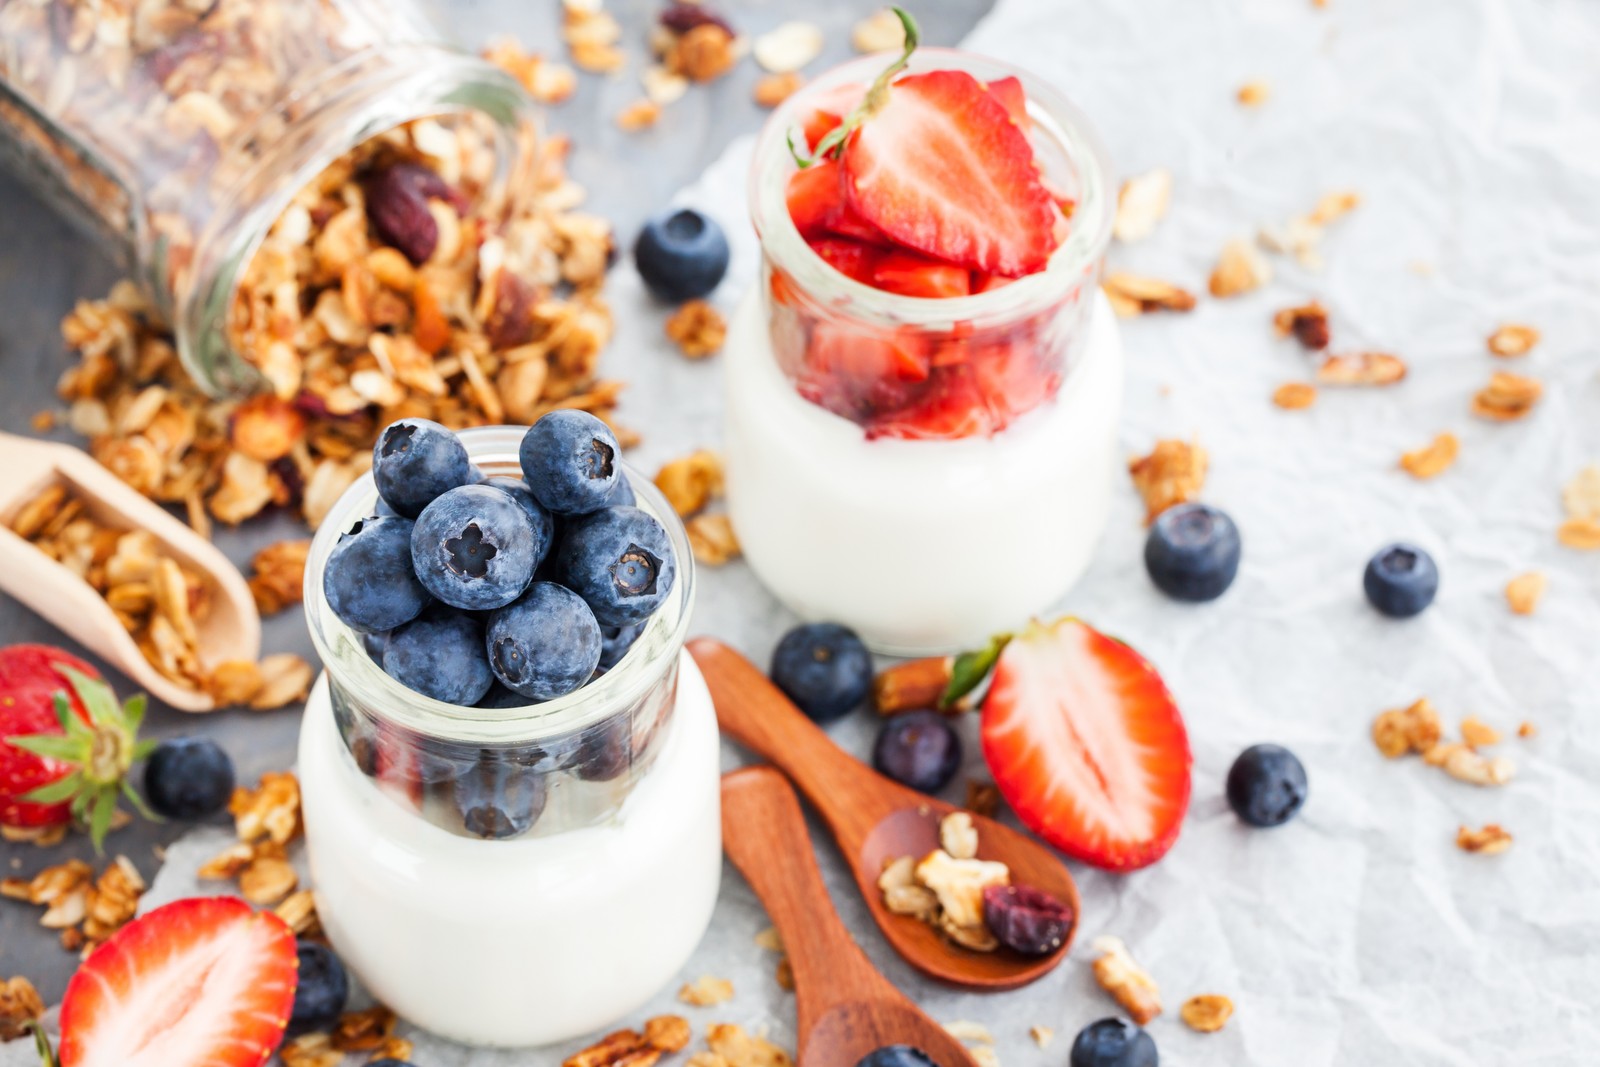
{"points": [[928, 470], [517, 876]]}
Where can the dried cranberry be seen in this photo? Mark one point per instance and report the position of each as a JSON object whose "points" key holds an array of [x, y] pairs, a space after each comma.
{"points": [[1028, 920], [681, 18], [397, 204]]}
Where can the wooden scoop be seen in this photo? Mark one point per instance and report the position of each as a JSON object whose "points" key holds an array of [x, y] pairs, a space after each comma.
{"points": [[845, 1008], [230, 630], [875, 820]]}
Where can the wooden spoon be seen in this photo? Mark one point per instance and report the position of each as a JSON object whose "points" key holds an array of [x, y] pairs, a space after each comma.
{"points": [[875, 820], [230, 630], [845, 1008]]}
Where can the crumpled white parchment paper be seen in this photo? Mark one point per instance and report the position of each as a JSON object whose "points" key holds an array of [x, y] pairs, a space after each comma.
{"points": [[1358, 934]]}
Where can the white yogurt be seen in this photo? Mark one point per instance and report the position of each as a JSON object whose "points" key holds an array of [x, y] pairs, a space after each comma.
{"points": [[922, 547], [520, 942]]}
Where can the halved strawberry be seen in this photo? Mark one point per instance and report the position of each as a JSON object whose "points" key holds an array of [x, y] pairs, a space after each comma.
{"points": [[909, 274], [946, 408], [1087, 746], [854, 259], [941, 169], [830, 109], [816, 201], [204, 982], [1009, 92]]}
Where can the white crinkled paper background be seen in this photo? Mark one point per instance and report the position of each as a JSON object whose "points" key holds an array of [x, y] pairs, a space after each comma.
{"points": [[1358, 934]]}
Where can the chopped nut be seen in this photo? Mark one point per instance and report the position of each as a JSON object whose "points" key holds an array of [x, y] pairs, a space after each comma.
{"points": [[1491, 840], [1507, 397], [1527, 730], [1477, 733], [914, 900], [1134, 294], [898, 873], [1302, 235], [788, 47], [1171, 474], [983, 798], [299, 911], [392, 1048], [112, 900], [310, 1050], [362, 1031], [546, 82], [638, 115], [1254, 93], [19, 1005], [706, 991], [1433, 458], [1581, 496], [1207, 1013], [279, 578], [703, 54], [1412, 729], [1042, 1035], [912, 685], [1142, 202], [783, 974], [740, 1049], [271, 810], [966, 1031], [1331, 207], [698, 329], [769, 938], [669, 1033], [984, 1056], [1240, 269], [234, 681], [267, 881], [1307, 324], [882, 31], [959, 884], [1510, 341], [285, 679], [712, 539], [1129, 984], [1462, 763], [692, 482], [1582, 534], [1294, 396], [958, 836], [774, 89], [1361, 368]]}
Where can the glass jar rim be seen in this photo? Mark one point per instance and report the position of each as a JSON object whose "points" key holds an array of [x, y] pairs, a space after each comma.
{"points": [[1085, 245], [618, 687]]}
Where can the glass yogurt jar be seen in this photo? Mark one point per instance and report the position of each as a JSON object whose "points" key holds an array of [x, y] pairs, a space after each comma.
{"points": [[515, 876], [928, 471]]}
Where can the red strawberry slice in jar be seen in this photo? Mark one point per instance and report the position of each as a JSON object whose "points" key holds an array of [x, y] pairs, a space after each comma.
{"points": [[817, 204], [909, 274], [1010, 93], [853, 259], [943, 170], [1087, 745], [829, 111], [204, 982], [947, 408]]}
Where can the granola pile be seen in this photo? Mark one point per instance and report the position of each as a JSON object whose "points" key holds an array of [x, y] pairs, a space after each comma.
{"points": [[945, 888], [86, 909]]}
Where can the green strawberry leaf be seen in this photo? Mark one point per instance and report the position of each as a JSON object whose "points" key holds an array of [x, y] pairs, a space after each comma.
{"points": [[71, 725], [97, 698], [139, 804], [133, 710], [51, 746], [100, 816], [57, 792], [971, 668]]}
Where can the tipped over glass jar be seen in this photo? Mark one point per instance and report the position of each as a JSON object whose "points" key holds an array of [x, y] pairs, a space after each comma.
{"points": [[512, 875], [919, 450]]}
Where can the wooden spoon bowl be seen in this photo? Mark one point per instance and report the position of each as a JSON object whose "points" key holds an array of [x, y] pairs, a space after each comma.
{"points": [[844, 1008], [875, 820]]}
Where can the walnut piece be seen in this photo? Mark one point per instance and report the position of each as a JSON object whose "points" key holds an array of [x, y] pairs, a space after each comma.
{"points": [[279, 575], [271, 810], [691, 482], [1491, 840], [1173, 473], [1129, 984], [1412, 729], [712, 539], [19, 1005], [983, 798], [1432, 459], [1207, 1013]]}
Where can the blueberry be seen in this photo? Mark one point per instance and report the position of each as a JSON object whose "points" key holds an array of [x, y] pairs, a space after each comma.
{"points": [[499, 798], [918, 749], [500, 698], [620, 561], [543, 523], [897, 1056], [188, 778], [323, 988], [368, 580], [622, 495], [1025, 919], [474, 548], [570, 461], [546, 644], [824, 668], [681, 255], [440, 655], [603, 752], [382, 510], [1401, 580], [615, 642], [373, 643], [1192, 552], [414, 460], [1266, 785], [1113, 1043]]}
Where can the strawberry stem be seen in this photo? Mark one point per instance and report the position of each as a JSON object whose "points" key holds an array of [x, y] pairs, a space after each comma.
{"points": [[971, 668], [871, 104], [41, 1041]]}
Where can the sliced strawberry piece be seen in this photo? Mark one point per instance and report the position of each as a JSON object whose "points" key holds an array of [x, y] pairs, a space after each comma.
{"points": [[909, 274], [1012, 377], [1009, 92], [943, 170], [204, 982], [817, 204], [1087, 746], [855, 259], [862, 357], [987, 283], [947, 408], [830, 109]]}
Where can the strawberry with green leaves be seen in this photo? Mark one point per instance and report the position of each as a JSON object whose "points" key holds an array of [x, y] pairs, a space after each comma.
{"points": [[65, 743]]}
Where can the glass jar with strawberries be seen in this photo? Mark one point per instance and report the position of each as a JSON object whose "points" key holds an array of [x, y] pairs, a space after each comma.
{"points": [[924, 388]]}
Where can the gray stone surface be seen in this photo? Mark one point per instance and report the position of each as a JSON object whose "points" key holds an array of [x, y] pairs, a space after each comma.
{"points": [[46, 265]]}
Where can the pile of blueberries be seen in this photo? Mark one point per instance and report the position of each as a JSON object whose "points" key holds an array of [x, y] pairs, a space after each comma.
{"points": [[500, 592]]}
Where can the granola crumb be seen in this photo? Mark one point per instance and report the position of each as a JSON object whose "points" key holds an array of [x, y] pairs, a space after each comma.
{"points": [[1582, 534], [1507, 397], [1129, 984], [43, 421], [1142, 202], [1527, 729], [984, 1056], [706, 991], [1307, 323], [1240, 269], [1433, 459], [669, 1033], [967, 1031], [1173, 473], [1466, 765], [882, 31], [1511, 341], [983, 798], [20, 1004], [1580, 497], [1295, 396], [278, 580], [783, 974], [769, 939], [788, 46], [1491, 840], [1412, 729], [773, 89], [1207, 1013], [698, 329], [1042, 1035], [958, 836], [1132, 295], [1477, 733], [691, 482], [639, 115], [712, 539], [737, 1048], [705, 53], [1361, 368], [1255, 92]]}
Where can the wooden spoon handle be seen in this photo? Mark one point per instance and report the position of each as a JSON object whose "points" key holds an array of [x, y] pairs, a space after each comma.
{"points": [[765, 836], [755, 713]]}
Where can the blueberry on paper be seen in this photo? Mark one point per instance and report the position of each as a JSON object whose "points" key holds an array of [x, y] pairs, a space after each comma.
{"points": [[369, 581], [681, 255], [1266, 785], [620, 561], [323, 988], [824, 668], [897, 1056], [1113, 1042], [474, 548], [571, 462], [1192, 552], [188, 778], [918, 749], [440, 654], [414, 461], [1401, 580], [546, 644]]}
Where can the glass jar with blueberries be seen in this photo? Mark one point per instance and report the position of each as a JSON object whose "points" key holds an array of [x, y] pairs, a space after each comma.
{"points": [[509, 761]]}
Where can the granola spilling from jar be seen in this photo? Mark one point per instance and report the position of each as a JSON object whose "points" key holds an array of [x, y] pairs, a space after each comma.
{"points": [[398, 283]]}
